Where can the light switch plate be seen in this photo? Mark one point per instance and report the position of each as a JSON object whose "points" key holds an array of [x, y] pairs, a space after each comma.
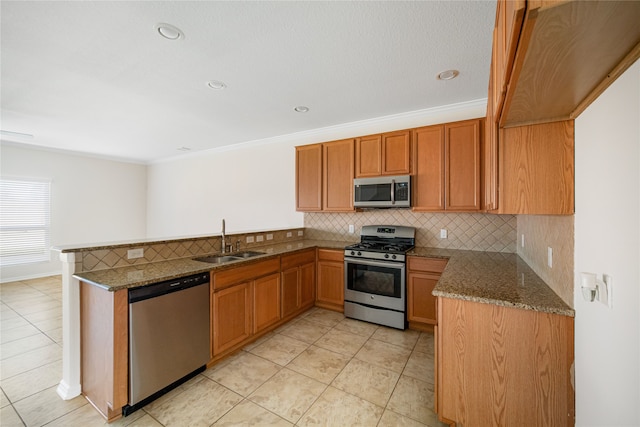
{"points": [[443, 233]]}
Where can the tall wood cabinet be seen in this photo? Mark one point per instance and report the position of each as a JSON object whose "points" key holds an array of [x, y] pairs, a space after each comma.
{"points": [[447, 166], [330, 287], [384, 154]]}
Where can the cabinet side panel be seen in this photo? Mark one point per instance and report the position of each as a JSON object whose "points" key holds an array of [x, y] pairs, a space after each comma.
{"points": [[96, 343]]}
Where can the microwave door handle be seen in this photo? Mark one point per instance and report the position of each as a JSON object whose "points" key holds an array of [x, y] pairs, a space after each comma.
{"points": [[393, 191]]}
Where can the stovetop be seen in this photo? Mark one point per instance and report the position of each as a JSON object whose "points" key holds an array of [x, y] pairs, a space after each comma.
{"points": [[383, 242]]}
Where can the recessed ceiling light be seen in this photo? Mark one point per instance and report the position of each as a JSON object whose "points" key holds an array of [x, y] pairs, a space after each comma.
{"points": [[215, 84], [448, 75], [301, 109], [170, 32]]}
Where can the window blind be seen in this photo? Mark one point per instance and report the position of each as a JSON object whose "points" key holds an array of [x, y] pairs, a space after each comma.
{"points": [[24, 221]]}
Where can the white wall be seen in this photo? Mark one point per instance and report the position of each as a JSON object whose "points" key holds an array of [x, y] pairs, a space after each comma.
{"points": [[92, 200], [252, 185], [607, 240]]}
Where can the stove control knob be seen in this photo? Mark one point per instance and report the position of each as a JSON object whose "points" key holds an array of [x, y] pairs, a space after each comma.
{"points": [[393, 257], [386, 255], [359, 253], [352, 253]]}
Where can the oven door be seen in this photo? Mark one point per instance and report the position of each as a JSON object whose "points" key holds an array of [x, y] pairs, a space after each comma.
{"points": [[375, 283]]}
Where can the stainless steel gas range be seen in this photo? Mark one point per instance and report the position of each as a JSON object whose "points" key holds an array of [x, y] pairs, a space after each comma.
{"points": [[375, 275]]}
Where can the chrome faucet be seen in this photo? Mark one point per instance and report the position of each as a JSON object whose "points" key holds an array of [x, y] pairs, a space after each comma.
{"points": [[224, 245]]}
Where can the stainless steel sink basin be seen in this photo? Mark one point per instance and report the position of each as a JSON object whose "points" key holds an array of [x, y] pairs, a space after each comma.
{"points": [[221, 259], [218, 259], [248, 254]]}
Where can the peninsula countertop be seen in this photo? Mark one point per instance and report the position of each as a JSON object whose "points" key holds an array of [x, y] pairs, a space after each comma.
{"points": [[485, 277]]}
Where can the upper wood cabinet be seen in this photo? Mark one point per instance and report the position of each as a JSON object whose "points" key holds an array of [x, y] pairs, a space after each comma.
{"points": [[385, 154], [567, 54], [309, 178], [324, 177], [337, 176], [447, 167]]}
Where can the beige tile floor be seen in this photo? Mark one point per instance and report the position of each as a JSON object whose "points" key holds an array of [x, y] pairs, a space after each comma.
{"points": [[320, 369]]}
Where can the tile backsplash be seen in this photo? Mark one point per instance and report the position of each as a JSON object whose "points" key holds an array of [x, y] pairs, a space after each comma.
{"points": [[162, 250], [556, 232], [472, 231]]}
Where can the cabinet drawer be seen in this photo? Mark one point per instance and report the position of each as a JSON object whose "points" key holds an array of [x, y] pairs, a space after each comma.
{"points": [[427, 264], [300, 258], [331, 255], [239, 274]]}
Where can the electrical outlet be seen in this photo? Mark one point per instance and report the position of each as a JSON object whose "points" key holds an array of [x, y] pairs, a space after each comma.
{"points": [[549, 256], [352, 229], [135, 253], [289, 234], [249, 239], [259, 238], [522, 240], [300, 233], [269, 236], [443, 233]]}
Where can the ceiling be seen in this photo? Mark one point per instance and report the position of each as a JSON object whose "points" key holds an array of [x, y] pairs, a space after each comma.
{"points": [[97, 78]]}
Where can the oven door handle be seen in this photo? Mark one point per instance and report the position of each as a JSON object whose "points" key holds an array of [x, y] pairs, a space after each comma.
{"points": [[374, 263]]}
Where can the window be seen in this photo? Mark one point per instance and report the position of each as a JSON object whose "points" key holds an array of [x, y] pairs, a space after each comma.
{"points": [[24, 221]]}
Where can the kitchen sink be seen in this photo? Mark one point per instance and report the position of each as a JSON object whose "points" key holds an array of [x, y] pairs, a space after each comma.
{"points": [[248, 254], [221, 259], [218, 259]]}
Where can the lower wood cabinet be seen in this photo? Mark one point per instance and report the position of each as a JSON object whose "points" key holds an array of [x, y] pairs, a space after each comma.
{"points": [[423, 275], [266, 302], [330, 279], [503, 366], [298, 282], [231, 316], [245, 300], [104, 338]]}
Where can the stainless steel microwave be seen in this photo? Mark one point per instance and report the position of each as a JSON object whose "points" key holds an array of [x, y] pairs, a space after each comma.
{"points": [[382, 192]]}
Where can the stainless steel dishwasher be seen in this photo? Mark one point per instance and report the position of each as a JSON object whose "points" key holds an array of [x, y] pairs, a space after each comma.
{"points": [[168, 336]]}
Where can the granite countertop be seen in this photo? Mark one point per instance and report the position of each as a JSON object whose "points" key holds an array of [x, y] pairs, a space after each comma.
{"points": [[494, 278], [144, 274], [486, 277]]}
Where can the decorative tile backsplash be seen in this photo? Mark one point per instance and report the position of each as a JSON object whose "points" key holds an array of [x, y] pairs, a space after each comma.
{"points": [[162, 250], [556, 232], [472, 231]]}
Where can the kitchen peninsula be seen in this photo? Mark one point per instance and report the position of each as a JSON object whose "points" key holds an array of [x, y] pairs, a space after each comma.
{"points": [[497, 281]]}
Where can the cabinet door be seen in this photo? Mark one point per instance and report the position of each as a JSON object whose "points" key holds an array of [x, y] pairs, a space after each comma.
{"points": [[421, 304], [396, 147], [290, 291], [309, 178], [428, 168], [231, 316], [369, 156], [337, 179], [462, 165], [307, 284], [331, 284], [266, 302]]}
